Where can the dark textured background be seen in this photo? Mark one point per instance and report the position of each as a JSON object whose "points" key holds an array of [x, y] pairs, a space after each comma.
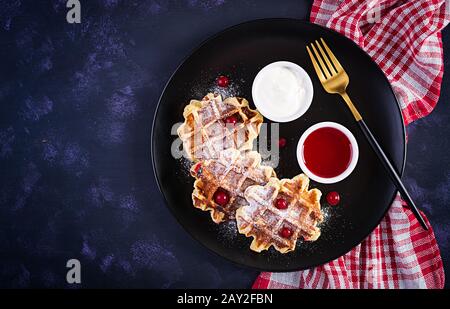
{"points": [[77, 102]]}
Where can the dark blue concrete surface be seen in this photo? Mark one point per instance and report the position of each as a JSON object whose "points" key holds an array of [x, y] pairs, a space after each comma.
{"points": [[427, 173], [76, 106]]}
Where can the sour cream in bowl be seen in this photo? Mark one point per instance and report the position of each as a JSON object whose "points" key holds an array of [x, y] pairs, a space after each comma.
{"points": [[282, 91]]}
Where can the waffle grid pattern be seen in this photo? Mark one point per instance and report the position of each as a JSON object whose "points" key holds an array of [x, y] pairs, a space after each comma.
{"points": [[263, 221], [205, 132], [233, 173]]}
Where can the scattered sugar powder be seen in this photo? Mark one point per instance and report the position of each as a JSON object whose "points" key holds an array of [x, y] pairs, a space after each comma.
{"points": [[228, 231], [232, 90], [185, 169]]}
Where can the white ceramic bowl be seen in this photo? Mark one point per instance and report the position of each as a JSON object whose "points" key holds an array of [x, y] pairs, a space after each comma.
{"points": [[300, 74], [353, 160]]}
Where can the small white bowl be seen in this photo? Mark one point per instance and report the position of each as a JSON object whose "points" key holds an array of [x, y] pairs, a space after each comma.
{"points": [[353, 160], [300, 74]]}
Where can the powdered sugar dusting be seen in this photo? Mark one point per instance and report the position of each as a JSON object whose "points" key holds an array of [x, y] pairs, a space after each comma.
{"points": [[186, 165], [228, 231], [332, 218], [232, 90]]}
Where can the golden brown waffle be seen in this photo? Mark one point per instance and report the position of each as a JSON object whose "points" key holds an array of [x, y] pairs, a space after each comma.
{"points": [[231, 173], [205, 132], [263, 221]]}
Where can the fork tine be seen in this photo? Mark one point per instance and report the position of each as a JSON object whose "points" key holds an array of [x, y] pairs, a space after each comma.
{"points": [[316, 66], [325, 57], [333, 58], [322, 64]]}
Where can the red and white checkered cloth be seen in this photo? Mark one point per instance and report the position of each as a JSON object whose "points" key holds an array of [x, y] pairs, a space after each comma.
{"points": [[404, 39]]}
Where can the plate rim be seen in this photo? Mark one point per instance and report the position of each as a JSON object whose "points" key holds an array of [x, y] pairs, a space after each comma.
{"points": [[186, 58]]}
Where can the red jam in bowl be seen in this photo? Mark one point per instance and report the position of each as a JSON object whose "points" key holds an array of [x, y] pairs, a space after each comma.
{"points": [[327, 152]]}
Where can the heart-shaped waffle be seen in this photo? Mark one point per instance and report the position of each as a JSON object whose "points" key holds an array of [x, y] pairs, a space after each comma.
{"points": [[212, 125], [280, 212], [229, 176]]}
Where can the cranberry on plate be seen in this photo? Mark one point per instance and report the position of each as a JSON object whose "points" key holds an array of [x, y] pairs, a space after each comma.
{"points": [[223, 81], [333, 198], [282, 142]]}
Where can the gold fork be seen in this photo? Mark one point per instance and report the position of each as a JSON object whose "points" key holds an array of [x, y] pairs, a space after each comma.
{"points": [[335, 80]]}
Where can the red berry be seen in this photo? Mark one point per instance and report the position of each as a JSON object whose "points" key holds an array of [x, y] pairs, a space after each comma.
{"points": [[286, 232], [333, 198], [281, 203], [231, 119], [198, 168], [282, 142], [221, 197], [223, 81]]}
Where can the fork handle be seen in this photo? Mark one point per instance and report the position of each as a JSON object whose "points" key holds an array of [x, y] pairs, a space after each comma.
{"points": [[352, 107], [391, 171]]}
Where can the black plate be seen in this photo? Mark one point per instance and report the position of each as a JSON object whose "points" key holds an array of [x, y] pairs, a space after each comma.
{"points": [[240, 52]]}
